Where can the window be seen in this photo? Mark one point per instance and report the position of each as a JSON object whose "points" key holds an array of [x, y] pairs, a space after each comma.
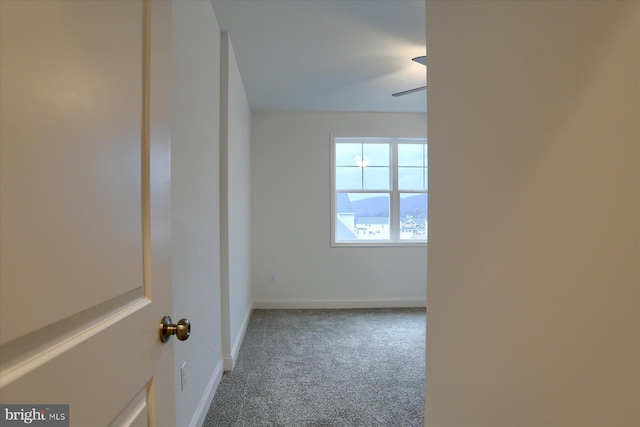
{"points": [[379, 191]]}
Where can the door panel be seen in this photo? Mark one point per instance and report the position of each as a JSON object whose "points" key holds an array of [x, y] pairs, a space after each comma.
{"points": [[85, 223], [135, 414], [71, 104]]}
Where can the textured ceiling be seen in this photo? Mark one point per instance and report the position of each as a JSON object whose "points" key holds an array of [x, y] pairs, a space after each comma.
{"points": [[328, 55]]}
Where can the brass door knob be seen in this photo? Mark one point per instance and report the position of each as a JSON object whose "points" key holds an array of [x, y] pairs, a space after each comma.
{"points": [[182, 330]]}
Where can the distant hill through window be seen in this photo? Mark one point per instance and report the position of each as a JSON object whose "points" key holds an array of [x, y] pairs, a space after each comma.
{"points": [[413, 206]]}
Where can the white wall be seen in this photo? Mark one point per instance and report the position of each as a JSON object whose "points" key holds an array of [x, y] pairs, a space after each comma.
{"points": [[291, 194], [534, 240], [195, 204], [235, 225]]}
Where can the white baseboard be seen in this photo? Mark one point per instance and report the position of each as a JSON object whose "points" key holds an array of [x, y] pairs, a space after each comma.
{"points": [[328, 303], [230, 360], [243, 328], [207, 397], [228, 363]]}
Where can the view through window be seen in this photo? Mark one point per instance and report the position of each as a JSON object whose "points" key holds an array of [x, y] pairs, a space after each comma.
{"points": [[380, 190]]}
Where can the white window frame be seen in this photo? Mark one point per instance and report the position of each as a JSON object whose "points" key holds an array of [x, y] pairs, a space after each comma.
{"points": [[394, 195]]}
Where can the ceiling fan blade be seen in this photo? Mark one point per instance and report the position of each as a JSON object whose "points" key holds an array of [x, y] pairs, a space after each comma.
{"points": [[407, 92], [421, 59]]}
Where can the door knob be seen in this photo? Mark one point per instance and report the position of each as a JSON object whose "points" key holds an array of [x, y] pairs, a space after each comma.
{"points": [[181, 330]]}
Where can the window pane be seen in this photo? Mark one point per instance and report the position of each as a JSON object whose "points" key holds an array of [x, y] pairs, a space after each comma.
{"points": [[411, 154], [346, 154], [411, 178], [376, 178], [426, 179], [348, 178], [362, 216], [376, 154], [413, 216], [426, 155]]}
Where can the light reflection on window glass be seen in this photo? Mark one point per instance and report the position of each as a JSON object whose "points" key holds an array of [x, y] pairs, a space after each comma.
{"points": [[362, 166]]}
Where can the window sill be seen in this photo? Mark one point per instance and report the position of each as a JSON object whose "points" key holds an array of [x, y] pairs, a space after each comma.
{"points": [[378, 244]]}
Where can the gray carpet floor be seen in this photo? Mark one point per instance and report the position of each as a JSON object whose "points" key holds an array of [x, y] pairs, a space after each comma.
{"points": [[329, 368]]}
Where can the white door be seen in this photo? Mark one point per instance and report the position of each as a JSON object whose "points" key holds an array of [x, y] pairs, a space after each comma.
{"points": [[84, 216]]}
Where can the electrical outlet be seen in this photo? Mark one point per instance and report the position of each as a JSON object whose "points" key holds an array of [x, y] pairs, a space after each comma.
{"points": [[183, 376], [272, 278]]}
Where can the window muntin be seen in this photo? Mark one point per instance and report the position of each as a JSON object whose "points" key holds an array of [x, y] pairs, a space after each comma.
{"points": [[362, 166], [380, 191]]}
